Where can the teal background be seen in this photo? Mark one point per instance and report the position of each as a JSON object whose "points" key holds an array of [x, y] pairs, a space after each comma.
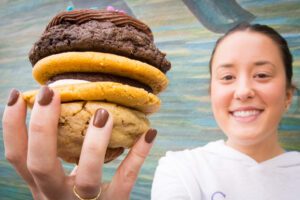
{"points": [[185, 119]]}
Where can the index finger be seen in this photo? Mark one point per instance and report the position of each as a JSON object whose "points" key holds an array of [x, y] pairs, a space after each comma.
{"points": [[42, 159]]}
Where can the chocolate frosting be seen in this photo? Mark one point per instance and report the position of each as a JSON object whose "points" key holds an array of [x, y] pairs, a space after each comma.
{"points": [[82, 16]]}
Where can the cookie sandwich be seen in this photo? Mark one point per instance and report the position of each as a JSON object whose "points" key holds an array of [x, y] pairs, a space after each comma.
{"points": [[99, 59]]}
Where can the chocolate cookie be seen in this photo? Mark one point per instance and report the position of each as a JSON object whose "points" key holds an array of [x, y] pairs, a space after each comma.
{"points": [[99, 31]]}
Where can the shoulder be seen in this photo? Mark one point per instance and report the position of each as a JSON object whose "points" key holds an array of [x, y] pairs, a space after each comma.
{"points": [[180, 156], [190, 156], [179, 173]]}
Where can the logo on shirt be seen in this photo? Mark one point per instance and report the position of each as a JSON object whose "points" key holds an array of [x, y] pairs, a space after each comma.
{"points": [[218, 196]]}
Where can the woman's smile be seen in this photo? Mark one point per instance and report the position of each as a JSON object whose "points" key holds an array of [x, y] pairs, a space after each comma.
{"points": [[246, 114]]}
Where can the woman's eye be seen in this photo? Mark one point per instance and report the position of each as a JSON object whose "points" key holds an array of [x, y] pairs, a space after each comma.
{"points": [[227, 77], [261, 76]]}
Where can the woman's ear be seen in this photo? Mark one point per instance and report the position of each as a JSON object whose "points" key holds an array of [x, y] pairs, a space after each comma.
{"points": [[289, 96]]}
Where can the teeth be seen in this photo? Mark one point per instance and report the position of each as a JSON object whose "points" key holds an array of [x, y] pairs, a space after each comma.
{"points": [[247, 113]]}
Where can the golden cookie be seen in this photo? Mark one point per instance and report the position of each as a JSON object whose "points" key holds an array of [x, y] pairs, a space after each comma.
{"points": [[55, 64], [75, 117], [125, 95]]}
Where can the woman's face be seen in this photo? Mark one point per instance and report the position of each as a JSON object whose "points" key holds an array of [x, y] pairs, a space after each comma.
{"points": [[248, 87]]}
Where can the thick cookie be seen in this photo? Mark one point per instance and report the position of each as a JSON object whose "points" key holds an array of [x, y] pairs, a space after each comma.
{"points": [[102, 37], [75, 117], [95, 62], [125, 95]]}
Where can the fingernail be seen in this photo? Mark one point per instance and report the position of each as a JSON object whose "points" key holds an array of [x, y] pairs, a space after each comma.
{"points": [[150, 135], [13, 97], [100, 118], [112, 155], [45, 96]]}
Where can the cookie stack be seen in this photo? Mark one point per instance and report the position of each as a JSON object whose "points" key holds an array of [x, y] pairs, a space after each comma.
{"points": [[99, 59]]}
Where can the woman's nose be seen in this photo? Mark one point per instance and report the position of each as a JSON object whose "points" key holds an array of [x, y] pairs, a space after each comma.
{"points": [[244, 90]]}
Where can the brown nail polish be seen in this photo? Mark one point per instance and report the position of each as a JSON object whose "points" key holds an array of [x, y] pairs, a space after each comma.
{"points": [[150, 135], [100, 118], [113, 154], [13, 97], [45, 96]]}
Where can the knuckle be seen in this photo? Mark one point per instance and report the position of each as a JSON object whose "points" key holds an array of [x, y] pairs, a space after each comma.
{"points": [[87, 186], [129, 175], [13, 158], [7, 123], [93, 149], [36, 127], [138, 154], [38, 170]]}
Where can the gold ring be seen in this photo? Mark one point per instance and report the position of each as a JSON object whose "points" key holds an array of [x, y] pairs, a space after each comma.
{"points": [[80, 198]]}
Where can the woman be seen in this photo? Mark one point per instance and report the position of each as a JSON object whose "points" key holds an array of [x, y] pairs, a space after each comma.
{"points": [[250, 90]]}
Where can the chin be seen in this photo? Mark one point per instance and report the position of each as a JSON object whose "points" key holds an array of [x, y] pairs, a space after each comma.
{"points": [[246, 137]]}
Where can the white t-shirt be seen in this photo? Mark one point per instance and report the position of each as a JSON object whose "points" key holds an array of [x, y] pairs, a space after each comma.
{"points": [[217, 172]]}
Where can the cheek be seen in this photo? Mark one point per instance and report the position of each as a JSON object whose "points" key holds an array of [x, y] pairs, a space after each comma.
{"points": [[274, 95], [220, 97]]}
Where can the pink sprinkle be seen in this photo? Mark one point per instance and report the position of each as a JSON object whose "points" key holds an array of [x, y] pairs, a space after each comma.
{"points": [[110, 8]]}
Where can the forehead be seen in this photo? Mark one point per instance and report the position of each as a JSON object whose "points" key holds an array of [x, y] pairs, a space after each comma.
{"points": [[247, 47]]}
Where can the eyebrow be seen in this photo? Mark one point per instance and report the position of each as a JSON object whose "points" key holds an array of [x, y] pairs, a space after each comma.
{"points": [[258, 63], [225, 65], [263, 62]]}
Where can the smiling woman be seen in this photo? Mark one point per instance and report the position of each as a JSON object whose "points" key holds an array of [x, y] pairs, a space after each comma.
{"points": [[250, 90], [250, 95]]}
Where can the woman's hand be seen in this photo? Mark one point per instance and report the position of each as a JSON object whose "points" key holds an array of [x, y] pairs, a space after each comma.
{"points": [[33, 153]]}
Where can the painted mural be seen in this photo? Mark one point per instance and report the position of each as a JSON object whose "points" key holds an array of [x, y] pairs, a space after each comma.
{"points": [[186, 30]]}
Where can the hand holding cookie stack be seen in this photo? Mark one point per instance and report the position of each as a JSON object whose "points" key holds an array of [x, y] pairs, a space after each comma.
{"points": [[99, 59]]}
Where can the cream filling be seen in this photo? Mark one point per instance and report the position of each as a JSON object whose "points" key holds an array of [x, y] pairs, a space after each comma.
{"points": [[67, 82]]}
